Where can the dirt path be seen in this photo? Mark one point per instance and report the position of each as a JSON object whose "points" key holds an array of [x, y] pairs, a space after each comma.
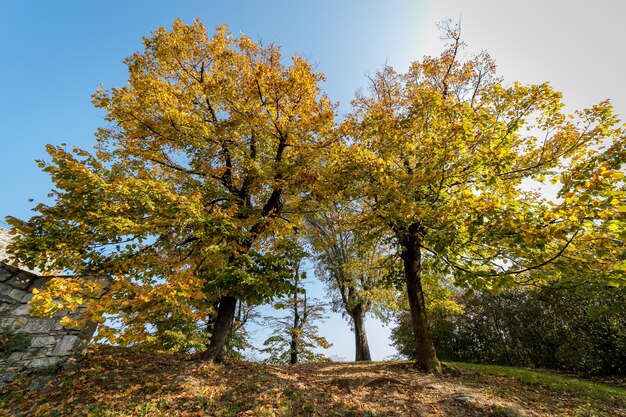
{"points": [[397, 389]]}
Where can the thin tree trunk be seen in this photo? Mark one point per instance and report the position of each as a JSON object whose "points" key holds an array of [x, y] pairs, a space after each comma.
{"points": [[426, 358], [362, 349], [293, 347], [222, 328]]}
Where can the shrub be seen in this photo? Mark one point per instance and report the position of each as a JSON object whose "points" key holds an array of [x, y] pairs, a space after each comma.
{"points": [[582, 329]]}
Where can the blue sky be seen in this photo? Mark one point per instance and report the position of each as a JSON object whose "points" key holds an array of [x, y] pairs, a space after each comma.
{"points": [[55, 54]]}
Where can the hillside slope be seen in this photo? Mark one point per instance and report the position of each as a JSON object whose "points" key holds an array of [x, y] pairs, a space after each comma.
{"points": [[122, 382]]}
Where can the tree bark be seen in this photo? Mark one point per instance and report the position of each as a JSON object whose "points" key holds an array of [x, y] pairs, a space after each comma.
{"points": [[426, 358], [362, 349], [222, 328], [293, 347]]}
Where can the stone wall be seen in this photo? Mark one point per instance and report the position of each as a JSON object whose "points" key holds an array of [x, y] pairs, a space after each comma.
{"points": [[45, 341]]}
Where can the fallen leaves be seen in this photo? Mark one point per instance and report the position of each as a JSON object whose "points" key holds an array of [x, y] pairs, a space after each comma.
{"points": [[117, 382]]}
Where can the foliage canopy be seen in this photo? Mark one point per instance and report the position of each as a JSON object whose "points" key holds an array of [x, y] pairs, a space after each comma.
{"points": [[209, 145]]}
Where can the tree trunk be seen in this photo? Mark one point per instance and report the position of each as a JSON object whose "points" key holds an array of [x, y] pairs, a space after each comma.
{"points": [[293, 347], [426, 358], [362, 349], [222, 328]]}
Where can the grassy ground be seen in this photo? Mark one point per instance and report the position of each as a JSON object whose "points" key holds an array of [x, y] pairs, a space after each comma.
{"points": [[592, 391], [121, 382]]}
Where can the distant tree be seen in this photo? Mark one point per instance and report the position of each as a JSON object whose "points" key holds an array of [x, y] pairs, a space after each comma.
{"points": [[184, 201], [441, 158], [295, 337], [354, 268]]}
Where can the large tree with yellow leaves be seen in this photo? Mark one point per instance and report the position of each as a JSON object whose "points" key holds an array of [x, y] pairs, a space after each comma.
{"points": [[191, 196], [442, 160]]}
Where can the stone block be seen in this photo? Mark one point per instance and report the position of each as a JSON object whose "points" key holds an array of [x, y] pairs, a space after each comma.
{"points": [[38, 352], [38, 325], [5, 274], [21, 281], [7, 323], [20, 322], [65, 345], [27, 297], [4, 294], [22, 310], [43, 341], [43, 362], [4, 288], [17, 294], [5, 308]]}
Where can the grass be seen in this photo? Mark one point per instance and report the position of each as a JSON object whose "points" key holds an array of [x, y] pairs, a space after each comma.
{"points": [[577, 387]]}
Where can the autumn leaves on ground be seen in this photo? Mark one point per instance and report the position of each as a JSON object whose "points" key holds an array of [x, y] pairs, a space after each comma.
{"points": [[122, 382]]}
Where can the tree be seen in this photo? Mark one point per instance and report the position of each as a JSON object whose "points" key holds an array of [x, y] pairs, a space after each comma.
{"points": [[185, 200], [441, 159], [295, 336], [354, 268]]}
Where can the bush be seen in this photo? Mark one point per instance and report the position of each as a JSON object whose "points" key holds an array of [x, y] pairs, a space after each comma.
{"points": [[582, 329]]}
